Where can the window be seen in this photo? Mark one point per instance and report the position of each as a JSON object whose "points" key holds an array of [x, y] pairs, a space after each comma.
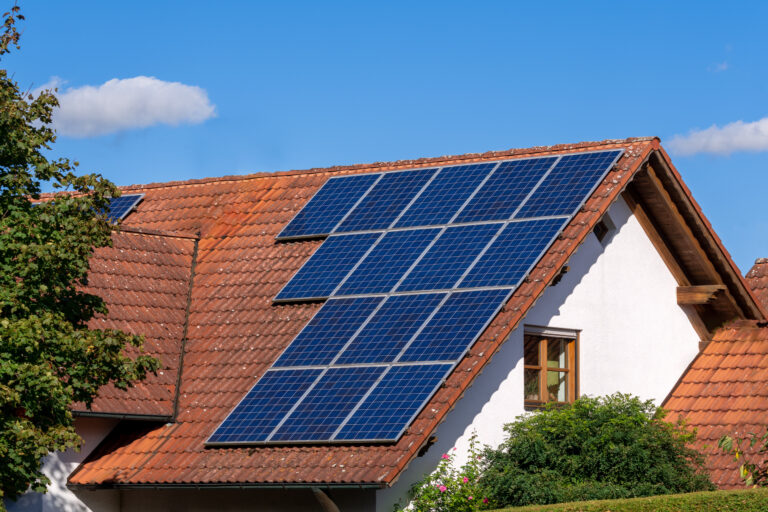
{"points": [[551, 373]]}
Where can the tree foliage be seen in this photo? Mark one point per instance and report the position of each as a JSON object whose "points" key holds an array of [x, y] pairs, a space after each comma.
{"points": [[48, 356], [597, 448], [751, 452]]}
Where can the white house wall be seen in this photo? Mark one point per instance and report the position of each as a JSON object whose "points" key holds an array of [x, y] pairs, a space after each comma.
{"points": [[634, 339], [58, 466]]}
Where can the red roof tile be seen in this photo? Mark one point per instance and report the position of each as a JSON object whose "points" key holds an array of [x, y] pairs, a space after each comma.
{"points": [[235, 332], [725, 391], [144, 279], [757, 279]]}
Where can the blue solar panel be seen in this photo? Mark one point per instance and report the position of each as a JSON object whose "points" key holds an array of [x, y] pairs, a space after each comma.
{"points": [[513, 253], [327, 267], [505, 190], [388, 261], [328, 206], [121, 206], [264, 406], [444, 195], [385, 335], [567, 186], [387, 411], [449, 257], [328, 331], [455, 326], [325, 407], [386, 200]]}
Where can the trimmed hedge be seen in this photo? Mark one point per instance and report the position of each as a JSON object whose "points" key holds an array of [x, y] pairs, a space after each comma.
{"points": [[751, 500]]}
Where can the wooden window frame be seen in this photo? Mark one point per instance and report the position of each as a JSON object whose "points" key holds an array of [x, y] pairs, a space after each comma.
{"points": [[544, 335]]}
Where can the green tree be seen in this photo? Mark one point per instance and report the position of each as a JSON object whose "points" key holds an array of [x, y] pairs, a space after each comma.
{"points": [[48, 356], [596, 448]]}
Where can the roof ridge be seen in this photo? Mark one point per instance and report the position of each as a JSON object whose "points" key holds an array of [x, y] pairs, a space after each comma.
{"points": [[157, 232], [393, 164]]}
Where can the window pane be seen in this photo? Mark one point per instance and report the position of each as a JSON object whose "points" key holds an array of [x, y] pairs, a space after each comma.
{"points": [[532, 351], [557, 386], [532, 385], [556, 353]]}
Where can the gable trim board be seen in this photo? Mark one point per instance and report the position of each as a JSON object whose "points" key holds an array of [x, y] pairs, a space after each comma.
{"points": [[174, 454]]}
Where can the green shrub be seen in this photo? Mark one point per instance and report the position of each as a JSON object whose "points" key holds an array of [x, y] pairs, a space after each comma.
{"points": [[597, 448], [719, 501]]}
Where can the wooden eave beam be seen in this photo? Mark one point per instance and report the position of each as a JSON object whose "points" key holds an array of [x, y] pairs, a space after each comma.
{"points": [[662, 172], [701, 294]]}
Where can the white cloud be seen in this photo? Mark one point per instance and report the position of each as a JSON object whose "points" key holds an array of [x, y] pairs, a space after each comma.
{"points": [[719, 67], [733, 137], [129, 103]]}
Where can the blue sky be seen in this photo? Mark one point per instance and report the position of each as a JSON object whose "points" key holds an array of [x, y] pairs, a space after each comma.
{"points": [[245, 87]]}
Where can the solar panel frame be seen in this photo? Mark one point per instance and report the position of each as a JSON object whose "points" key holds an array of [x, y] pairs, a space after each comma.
{"points": [[306, 417], [388, 203], [443, 369], [126, 206], [387, 252], [304, 350], [470, 213], [216, 438], [444, 173], [370, 342], [534, 260], [598, 178], [356, 247], [375, 177]]}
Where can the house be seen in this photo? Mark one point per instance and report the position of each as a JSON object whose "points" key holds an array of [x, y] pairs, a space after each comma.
{"points": [[725, 390], [630, 290]]}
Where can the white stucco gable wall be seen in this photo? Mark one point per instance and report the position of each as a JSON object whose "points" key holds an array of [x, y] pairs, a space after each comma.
{"points": [[634, 339]]}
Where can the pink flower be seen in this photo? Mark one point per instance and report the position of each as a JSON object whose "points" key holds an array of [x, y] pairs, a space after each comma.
{"points": [[446, 456], [471, 498], [443, 488], [485, 500], [465, 479]]}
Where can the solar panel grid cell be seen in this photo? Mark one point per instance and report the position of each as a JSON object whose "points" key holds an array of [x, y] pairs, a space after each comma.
{"points": [[386, 200], [387, 332], [264, 406], [328, 331], [445, 194], [393, 402], [456, 324], [328, 206], [327, 405], [121, 206], [328, 266], [383, 267], [450, 256], [568, 184], [501, 195], [517, 247]]}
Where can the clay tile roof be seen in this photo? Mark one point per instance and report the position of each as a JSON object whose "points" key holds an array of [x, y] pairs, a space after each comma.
{"points": [[235, 332], [144, 278], [725, 391], [757, 279]]}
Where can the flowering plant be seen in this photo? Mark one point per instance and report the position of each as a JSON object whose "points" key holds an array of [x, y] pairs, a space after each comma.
{"points": [[448, 488]]}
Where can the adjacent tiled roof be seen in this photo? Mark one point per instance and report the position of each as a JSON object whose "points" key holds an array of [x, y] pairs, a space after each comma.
{"points": [[144, 279], [757, 279], [235, 331], [725, 391]]}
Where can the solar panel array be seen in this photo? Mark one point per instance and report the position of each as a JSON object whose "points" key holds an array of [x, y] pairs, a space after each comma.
{"points": [[415, 266]]}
